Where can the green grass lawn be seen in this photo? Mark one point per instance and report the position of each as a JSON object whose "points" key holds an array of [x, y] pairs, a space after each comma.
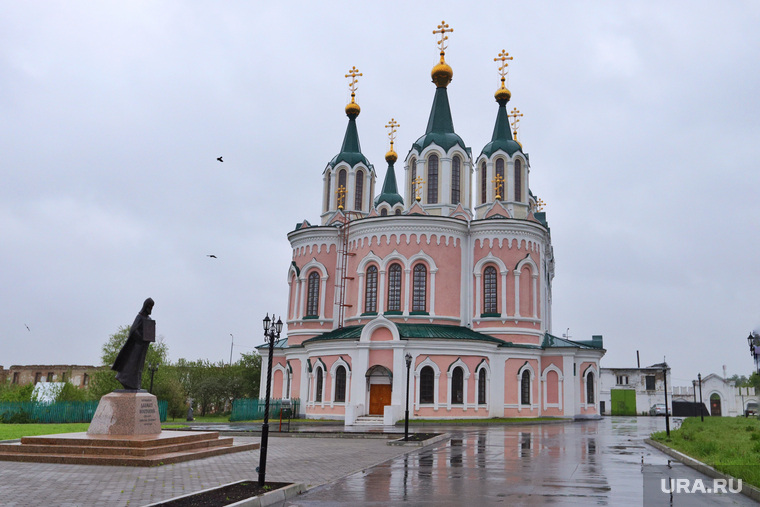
{"points": [[13, 431], [728, 444]]}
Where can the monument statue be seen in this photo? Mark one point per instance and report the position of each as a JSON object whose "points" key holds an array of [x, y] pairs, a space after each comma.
{"points": [[131, 359]]}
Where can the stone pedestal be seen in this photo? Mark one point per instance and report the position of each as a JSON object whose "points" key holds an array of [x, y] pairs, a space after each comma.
{"points": [[126, 413]]}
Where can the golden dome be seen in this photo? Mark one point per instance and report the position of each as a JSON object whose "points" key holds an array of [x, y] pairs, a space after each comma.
{"points": [[442, 73], [391, 156], [502, 94], [353, 109]]}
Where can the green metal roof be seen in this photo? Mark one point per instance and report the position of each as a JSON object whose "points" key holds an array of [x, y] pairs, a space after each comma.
{"points": [[282, 343], [440, 127], [443, 332], [344, 333], [351, 151], [502, 136], [551, 341], [389, 193]]}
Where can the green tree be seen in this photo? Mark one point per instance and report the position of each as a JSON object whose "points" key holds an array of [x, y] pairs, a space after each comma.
{"points": [[15, 392], [251, 364]]}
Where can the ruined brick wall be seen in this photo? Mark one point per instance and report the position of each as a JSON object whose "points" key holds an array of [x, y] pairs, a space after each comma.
{"points": [[78, 375]]}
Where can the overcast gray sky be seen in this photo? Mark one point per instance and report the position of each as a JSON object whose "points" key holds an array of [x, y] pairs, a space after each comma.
{"points": [[641, 121]]}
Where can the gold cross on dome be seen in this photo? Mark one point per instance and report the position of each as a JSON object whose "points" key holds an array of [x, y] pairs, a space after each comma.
{"points": [[540, 204], [503, 57], [515, 115], [417, 187], [498, 182], [353, 73], [341, 196], [443, 28], [392, 132]]}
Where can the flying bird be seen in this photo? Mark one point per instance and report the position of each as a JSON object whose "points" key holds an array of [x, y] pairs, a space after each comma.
{"points": [[219, 159], [27, 328], [212, 256]]}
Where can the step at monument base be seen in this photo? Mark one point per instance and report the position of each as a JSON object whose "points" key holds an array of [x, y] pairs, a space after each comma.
{"points": [[121, 450]]}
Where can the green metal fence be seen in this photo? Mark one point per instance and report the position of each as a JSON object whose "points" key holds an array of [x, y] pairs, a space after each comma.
{"points": [[60, 411], [247, 409]]}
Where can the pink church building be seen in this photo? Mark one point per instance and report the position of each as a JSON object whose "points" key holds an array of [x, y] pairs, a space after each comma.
{"points": [[456, 274]]}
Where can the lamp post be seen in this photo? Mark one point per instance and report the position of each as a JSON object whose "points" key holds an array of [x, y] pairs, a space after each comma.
{"points": [[152, 368], [271, 334], [667, 412], [694, 392], [232, 344], [408, 358], [754, 348], [701, 403]]}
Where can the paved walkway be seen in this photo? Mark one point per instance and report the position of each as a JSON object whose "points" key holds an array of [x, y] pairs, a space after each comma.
{"points": [[312, 461], [579, 463]]}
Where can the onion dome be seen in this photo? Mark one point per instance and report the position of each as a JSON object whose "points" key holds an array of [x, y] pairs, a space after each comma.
{"points": [[390, 193]]}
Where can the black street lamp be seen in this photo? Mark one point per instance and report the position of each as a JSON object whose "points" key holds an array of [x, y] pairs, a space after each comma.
{"points": [[271, 334], [152, 368], [701, 403], [408, 358], [754, 348], [667, 412]]}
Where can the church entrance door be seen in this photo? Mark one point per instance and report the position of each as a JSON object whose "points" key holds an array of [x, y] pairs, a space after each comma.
{"points": [[715, 405], [379, 397]]}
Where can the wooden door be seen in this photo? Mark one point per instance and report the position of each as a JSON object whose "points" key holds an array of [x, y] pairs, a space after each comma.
{"points": [[715, 405], [379, 397]]}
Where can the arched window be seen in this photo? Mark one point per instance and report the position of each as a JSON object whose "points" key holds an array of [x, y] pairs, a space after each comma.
{"points": [[398, 212], [482, 387], [483, 183], [312, 296], [432, 180], [490, 299], [456, 164], [518, 180], [500, 187], [359, 190], [327, 192], [457, 386], [341, 183], [340, 384], [590, 388], [318, 393], [525, 388], [394, 288], [419, 293], [370, 293], [427, 390], [383, 212], [413, 173]]}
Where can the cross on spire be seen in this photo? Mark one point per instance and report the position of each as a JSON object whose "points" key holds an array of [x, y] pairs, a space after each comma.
{"points": [[504, 58], [341, 196], [417, 187], [353, 73], [443, 28], [392, 132], [498, 182], [515, 115]]}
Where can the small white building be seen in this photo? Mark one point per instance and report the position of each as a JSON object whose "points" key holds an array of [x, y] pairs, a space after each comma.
{"points": [[720, 395], [633, 391]]}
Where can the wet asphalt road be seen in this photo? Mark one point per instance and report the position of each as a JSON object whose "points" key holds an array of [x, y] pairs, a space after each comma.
{"points": [[579, 463]]}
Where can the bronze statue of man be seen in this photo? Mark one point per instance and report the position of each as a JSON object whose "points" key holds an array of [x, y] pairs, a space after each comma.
{"points": [[131, 359]]}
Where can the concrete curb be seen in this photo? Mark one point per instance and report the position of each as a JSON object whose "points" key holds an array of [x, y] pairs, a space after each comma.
{"points": [[747, 489], [270, 498], [423, 443]]}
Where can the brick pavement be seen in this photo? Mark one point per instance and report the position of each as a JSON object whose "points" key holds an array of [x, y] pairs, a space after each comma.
{"points": [[312, 461]]}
